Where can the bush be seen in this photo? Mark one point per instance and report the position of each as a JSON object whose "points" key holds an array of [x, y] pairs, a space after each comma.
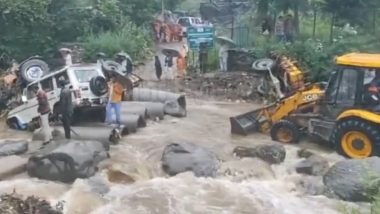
{"points": [[131, 39]]}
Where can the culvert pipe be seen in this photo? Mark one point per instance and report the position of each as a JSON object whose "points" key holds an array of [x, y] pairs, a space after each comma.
{"points": [[141, 111], [105, 134], [155, 110], [174, 104], [130, 123]]}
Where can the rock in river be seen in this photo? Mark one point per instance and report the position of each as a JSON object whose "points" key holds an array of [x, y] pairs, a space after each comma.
{"points": [[354, 180], [68, 161], [181, 157], [272, 154], [10, 147], [314, 165]]}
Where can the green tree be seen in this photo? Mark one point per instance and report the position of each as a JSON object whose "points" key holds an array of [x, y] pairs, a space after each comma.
{"points": [[26, 27]]}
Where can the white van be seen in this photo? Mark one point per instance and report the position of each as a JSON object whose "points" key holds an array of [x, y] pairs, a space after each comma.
{"points": [[88, 85]]}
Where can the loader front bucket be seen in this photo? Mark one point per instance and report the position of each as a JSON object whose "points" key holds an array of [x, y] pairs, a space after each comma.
{"points": [[245, 124]]}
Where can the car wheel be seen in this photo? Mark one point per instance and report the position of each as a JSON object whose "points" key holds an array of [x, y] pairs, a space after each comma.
{"points": [[33, 70], [355, 138], [111, 66], [98, 86]]}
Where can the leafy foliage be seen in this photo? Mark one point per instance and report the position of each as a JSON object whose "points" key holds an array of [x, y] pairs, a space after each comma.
{"points": [[129, 39], [38, 26]]}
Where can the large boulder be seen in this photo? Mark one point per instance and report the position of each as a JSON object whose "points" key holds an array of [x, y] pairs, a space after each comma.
{"points": [[314, 165], [68, 161], [354, 180], [12, 147], [272, 154], [181, 157]]}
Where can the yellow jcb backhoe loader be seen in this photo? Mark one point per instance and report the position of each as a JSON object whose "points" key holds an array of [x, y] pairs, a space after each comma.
{"points": [[346, 113]]}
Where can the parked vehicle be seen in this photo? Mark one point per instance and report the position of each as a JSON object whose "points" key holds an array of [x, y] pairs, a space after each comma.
{"points": [[88, 85], [186, 22]]}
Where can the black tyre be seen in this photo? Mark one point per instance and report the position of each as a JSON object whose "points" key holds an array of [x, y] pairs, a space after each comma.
{"points": [[33, 70], [111, 66], [355, 138], [285, 131], [263, 65], [98, 86]]}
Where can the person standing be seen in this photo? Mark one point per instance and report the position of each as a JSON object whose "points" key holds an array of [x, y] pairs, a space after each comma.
{"points": [[158, 67], [66, 54], [44, 111], [289, 28], [114, 102], [169, 67], [223, 57], [66, 108], [279, 29]]}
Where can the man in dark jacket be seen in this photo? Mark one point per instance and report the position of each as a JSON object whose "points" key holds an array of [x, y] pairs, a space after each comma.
{"points": [[43, 110], [66, 107]]}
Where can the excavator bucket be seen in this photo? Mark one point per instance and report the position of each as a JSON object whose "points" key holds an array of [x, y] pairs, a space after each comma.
{"points": [[244, 124], [250, 122]]}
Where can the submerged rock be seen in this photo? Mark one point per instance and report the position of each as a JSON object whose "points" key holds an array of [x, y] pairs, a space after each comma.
{"points": [[182, 157], [304, 153], [272, 154], [245, 169], [314, 165], [119, 177], [311, 185], [10, 147], [354, 180], [73, 159]]}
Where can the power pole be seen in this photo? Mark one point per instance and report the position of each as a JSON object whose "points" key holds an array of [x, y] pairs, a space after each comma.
{"points": [[162, 7]]}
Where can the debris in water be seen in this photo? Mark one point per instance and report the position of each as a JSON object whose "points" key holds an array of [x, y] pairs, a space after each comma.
{"points": [[13, 204]]}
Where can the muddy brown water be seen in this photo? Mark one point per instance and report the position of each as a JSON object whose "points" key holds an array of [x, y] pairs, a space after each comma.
{"points": [[250, 188], [139, 156]]}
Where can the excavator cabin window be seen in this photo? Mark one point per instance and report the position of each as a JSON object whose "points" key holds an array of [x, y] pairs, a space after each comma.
{"points": [[345, 88]]}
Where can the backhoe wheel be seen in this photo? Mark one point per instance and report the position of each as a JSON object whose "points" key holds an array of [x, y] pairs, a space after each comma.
{"points": [[285, 131], [355, 138]]}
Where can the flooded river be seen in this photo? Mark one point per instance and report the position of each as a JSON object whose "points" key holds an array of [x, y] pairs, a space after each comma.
{"points": [[250, 188], [139, 186]]}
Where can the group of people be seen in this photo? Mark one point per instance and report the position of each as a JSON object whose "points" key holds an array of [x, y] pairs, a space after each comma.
{"points": [[65, 110], [284, 28]]}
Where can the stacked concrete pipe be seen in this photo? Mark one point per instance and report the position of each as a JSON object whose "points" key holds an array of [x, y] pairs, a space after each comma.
{"points": [[154, 110], [174, 104], [105, 134], [131, 122]]}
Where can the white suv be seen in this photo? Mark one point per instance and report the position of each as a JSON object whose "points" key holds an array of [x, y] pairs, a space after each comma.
{"points": [[86, 81]]}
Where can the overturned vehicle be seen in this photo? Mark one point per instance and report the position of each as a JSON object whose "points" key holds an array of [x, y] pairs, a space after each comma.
{"points": [[88, 83]]}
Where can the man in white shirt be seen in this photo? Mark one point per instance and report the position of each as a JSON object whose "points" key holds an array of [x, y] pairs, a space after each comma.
{"points": [[66, 54], [223, 56]]}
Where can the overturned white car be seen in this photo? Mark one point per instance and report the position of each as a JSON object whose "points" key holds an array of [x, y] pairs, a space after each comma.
{"points": [[89, 88]]}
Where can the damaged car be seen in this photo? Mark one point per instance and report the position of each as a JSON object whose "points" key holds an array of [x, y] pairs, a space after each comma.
{"points": [[88, 85]]}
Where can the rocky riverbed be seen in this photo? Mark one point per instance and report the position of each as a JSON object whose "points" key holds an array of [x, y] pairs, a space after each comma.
{"points": [[132, 180]]}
